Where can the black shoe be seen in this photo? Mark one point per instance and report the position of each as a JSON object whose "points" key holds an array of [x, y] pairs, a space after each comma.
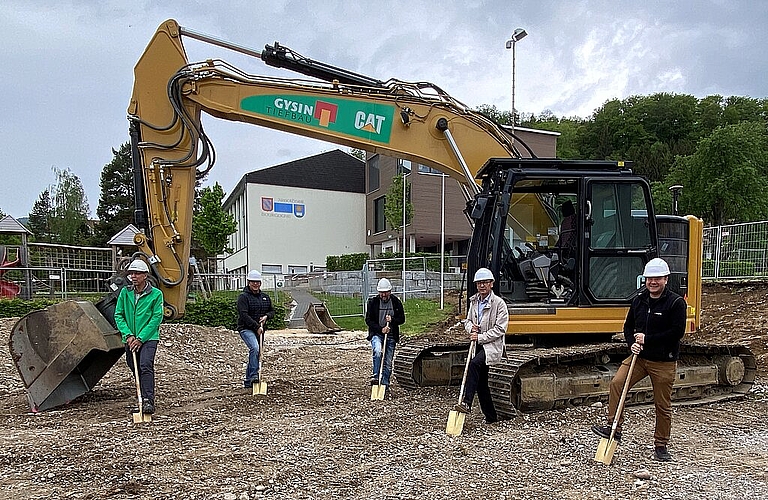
{"points": [[148, 408], [462, 407], [661, 454], [491, 420], [374, 381], [248, 385], [604, 431]]}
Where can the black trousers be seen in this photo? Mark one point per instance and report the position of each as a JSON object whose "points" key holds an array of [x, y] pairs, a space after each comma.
{"points": [[477, 383]]}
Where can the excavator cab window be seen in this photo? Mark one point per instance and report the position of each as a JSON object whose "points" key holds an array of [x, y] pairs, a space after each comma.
{"points": [[620, 238]]}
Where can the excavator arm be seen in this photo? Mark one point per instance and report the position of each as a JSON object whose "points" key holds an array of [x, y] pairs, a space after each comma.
{"points": [[415, 121]]}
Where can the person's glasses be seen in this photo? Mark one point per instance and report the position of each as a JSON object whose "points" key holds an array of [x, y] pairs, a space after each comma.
{"points": [[484, 282]]}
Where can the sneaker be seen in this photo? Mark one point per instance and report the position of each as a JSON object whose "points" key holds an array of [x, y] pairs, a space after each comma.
{"points": [[374, 381], [604, 431], [462, 407], [661, 454], [148, 407]]}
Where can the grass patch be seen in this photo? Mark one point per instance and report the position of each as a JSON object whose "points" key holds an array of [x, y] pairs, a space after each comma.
{"points": [[420, 314]]}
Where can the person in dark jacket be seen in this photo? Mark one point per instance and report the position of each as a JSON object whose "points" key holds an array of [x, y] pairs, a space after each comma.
{"points": [[254, 308], [384, 314], [138, 314], [653, 329]]}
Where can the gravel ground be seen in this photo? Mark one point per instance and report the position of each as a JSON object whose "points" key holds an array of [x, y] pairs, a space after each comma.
{"points": [[318, 435]]}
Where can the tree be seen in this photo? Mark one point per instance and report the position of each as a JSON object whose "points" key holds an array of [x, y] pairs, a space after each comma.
{"points": [[357, 153], [726, 179], [393, 203], [69, 224], [211, 226], [40, 217], [116, 201], [500, 117]]}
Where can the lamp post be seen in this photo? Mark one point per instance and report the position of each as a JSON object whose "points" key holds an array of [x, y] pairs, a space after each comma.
{"points": [[517, 35]]}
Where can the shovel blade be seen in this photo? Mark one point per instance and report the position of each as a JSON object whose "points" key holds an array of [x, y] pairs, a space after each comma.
{"points": [[455, 423], [605, 451], [139, 418], [260, 389], [378, 391]]}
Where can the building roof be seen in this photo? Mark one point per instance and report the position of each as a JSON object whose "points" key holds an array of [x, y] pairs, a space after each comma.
{"points": [[9, 225], [331, 171], [124, 238]]}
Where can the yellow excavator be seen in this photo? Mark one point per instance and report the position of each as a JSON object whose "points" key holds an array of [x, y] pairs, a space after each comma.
{"points": [[567, 288]]}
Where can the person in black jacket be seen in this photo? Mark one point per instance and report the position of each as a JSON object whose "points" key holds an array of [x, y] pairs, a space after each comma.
{"points": [[384, 314], [653, 329], [254, 308]]}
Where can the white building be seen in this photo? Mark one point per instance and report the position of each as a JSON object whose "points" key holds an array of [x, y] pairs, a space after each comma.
{"points": [[290, 217]]}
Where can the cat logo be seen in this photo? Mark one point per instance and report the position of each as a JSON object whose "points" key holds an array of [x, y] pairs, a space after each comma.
{"points": [[369, 122]]}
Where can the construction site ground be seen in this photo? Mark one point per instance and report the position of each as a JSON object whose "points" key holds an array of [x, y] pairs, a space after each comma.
{"points": [[317, 434]]}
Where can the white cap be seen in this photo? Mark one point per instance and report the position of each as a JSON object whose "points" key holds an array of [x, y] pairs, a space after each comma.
{"points": [[253, 275], [483, 274], [138, 265], [384, 285], [656, 268]]}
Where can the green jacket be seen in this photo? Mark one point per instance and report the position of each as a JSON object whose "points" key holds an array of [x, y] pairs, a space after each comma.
{"points": [[140, 318]]}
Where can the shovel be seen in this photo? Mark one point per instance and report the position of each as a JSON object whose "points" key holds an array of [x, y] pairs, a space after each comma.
{"points": [[607, 447], [139, 417], [456, 418], [260, 388], [377, 391]]}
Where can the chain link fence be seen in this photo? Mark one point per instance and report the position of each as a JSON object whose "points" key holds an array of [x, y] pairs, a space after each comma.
{"points": [[736, 251]]}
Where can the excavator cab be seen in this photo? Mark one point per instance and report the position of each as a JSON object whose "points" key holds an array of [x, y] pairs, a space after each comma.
{"points": [[563, 233]]}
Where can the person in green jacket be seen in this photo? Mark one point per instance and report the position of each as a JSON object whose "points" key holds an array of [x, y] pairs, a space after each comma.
{"points": [[138, 314]]}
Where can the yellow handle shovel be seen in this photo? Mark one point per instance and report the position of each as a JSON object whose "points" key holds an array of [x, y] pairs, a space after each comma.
{"points": [[607, 447], [378, 391], [141, 416], [260, 388], [456, 418]]}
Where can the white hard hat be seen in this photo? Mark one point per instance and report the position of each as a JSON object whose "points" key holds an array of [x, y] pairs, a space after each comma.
{"points": [[138, 265], [384, 285], [483, 274], [253, 275], [656, 268]]}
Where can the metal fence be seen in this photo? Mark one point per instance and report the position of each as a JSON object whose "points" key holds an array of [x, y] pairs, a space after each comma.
{"points": [[736, 251]]}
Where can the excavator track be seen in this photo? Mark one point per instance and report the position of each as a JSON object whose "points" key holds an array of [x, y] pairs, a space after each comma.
{"points": [[533, 379]]}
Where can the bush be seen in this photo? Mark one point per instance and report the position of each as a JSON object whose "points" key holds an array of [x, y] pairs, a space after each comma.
{"points": [[433, 261], [15, 308], [347, 262]]}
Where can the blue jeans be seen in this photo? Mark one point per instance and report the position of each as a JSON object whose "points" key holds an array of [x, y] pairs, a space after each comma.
{"points": [[376, 346], [252, 370], [146, 358]]}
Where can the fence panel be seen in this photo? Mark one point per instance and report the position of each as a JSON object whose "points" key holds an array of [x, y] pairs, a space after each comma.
{"points": [[736, 251]]}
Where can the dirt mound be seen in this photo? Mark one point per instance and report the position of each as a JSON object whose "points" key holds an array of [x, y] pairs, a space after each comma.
{"points": [[317, 434]]}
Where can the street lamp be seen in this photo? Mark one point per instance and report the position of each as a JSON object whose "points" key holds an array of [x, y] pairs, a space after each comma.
{"points": [[517, 35]]}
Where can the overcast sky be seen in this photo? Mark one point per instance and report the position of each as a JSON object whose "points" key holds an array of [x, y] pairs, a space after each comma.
{"points": [[67, 65]]}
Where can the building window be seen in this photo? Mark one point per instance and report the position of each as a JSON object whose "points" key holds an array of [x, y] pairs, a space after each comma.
{"points": [[379, 222], [403, 167], [423, 169], [272, 268], [297, 269], [373, 174]]}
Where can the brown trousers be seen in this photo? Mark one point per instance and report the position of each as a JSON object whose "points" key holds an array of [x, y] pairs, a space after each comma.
{"points": [[662, 375]]}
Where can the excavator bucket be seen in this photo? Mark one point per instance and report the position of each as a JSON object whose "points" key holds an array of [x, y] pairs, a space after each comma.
{"points": [[62, 351], [319, 320]]}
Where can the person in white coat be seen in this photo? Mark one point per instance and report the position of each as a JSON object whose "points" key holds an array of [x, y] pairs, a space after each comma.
{"points": [[486, 323]]}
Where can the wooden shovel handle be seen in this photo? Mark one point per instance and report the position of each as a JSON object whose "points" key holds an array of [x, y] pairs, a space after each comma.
{"points": [[383, 355], [624, 392], [470, 355], [138, 383]]}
